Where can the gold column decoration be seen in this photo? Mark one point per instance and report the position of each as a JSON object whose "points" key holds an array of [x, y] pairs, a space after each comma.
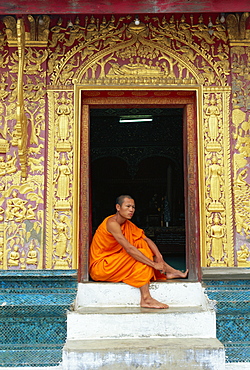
{"points": [[21, 125], [218, 227], [60, 253]]}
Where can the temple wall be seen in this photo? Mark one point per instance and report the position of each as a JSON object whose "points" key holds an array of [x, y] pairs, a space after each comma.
{"points": [[44, 64]]}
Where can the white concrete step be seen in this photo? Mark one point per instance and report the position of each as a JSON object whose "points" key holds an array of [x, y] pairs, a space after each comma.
{"points": [[136, 322], [172, 292], [134, 354]]}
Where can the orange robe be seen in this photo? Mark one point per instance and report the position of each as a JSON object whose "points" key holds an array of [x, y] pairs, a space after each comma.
{"points": [[110, 262]]}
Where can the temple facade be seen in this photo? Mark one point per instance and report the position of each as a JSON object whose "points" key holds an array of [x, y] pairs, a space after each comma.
{"points": [[60, 69]]}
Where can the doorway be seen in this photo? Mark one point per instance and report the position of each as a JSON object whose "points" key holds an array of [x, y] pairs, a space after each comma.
{"points": [[139, 151]]}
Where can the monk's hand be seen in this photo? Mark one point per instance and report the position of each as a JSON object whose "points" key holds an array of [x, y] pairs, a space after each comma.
{"points": [[161, 267]]}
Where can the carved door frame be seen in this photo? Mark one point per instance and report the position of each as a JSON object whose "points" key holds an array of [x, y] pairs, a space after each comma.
{"points": [[190, 100]]}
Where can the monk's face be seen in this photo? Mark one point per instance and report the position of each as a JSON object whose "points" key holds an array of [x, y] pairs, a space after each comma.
{"points": [[127, 209]]}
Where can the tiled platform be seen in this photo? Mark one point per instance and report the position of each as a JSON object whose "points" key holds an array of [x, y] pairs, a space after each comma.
{"points": [[232, 316], [33, 306]]}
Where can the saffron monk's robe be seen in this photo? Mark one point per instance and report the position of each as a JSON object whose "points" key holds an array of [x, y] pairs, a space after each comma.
{"points": [[110, 262]]}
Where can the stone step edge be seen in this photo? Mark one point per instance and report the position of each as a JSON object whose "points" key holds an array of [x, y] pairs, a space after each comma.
{"points": [[94, 294], [137, 310], [138, 343]]}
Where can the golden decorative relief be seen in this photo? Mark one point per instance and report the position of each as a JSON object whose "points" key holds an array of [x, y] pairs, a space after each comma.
{"points": [[59, 218], [21, 124], [165, 52], [242, 255], [157, 51], [219, 247], [237, 31], [38, 32]]}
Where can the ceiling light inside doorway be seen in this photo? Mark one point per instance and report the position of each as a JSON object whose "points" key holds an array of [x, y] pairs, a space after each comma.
{"points": [[138, 118]]}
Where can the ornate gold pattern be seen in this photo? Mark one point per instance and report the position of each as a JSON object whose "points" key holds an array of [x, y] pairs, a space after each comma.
{"points": [[218, 203], [238, 32], [160, 54], [38, 32], [21, 124], [59, 215]]}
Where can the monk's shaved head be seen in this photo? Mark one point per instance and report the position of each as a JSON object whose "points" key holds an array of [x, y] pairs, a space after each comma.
{"points": [[120, 199]]}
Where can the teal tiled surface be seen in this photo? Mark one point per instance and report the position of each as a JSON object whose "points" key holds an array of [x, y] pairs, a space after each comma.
{"points": [[33, 307], [232, 316]]}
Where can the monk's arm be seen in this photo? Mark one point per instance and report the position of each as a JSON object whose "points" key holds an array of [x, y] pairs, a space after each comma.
{"points": [[159, 258], [115, 229], [153, 248]]}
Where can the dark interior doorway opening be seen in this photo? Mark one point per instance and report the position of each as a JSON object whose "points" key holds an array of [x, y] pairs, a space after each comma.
{"points": [[143, 159]]}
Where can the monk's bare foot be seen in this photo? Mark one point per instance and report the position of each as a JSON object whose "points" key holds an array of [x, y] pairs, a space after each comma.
{"points": [[152, 303], [176, 274]]}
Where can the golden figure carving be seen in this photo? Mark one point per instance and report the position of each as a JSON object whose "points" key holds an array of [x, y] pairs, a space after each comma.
{"points": [[3, 85], [62, 237], [2, 166], [63, 181], [201, 31], [213, 112], [10, 164], [240, 180], [61, 251], [15, 208], [30, 214], [53, 56], [242, 255], [215, 172], [14, 257], [75, 33], [57, 35], [32, 256], [217, 251], [63, 112]]}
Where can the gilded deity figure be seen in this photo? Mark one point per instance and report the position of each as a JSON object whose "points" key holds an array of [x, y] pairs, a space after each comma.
{"points": [[14, 257], [62, 237], [243, 253], [215, 179], [62, 179], [240, 180], [63, 112], [57, 33], [217, 234], [213, 112], [11, 164], [15, 208], [2, 166], [32, 256]]}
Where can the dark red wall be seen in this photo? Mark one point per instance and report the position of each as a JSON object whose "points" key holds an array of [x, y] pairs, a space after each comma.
{"points": [[121, 7]]}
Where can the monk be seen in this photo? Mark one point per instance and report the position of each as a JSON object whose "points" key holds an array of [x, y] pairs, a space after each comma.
{"points": [[120, 251]]}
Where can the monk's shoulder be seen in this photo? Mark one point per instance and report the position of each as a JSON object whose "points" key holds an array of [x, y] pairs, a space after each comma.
{"points": [[111, 222]]}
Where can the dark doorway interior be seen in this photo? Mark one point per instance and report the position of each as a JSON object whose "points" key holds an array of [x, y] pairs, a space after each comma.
{"points": [[145, 160]]}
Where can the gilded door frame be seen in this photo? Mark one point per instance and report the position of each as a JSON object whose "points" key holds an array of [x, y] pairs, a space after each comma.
{"points": [[193, 118]]}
